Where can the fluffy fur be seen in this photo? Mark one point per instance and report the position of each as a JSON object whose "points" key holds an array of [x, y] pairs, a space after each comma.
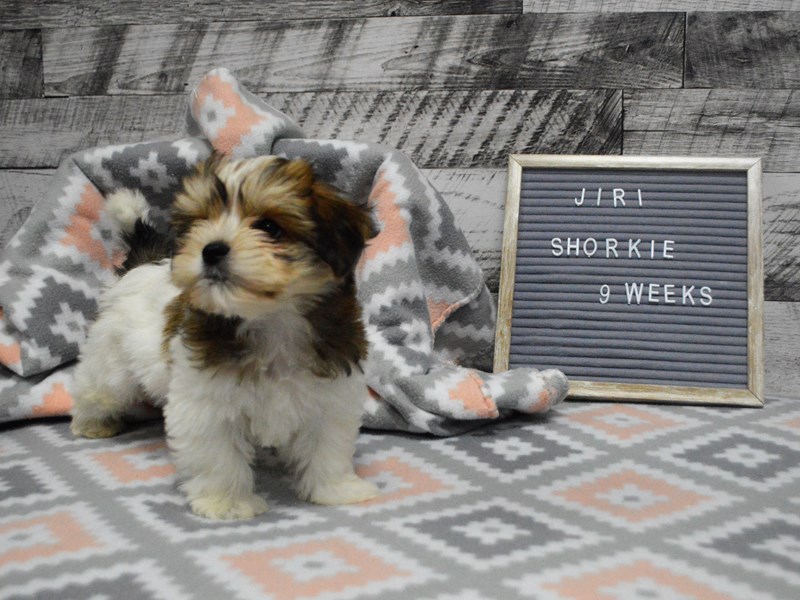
{"points": [[143, 243], [249, 336]]}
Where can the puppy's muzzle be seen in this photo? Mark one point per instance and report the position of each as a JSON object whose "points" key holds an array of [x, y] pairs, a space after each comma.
{"points": [[214, 264]]}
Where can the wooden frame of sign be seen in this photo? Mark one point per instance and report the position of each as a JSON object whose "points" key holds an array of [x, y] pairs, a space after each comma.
{"points": [[639, 277]]}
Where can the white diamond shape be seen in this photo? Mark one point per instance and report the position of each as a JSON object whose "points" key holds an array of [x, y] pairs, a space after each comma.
{"points": [[632, 496], [314, 566], [752, 458], [489, 532]]}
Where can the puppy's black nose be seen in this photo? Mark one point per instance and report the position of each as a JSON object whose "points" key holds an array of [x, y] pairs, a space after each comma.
{"points": [[214, 252]]}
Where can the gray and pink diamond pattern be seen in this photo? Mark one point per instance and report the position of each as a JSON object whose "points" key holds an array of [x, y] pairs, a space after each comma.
{"points": [[592, 501]]}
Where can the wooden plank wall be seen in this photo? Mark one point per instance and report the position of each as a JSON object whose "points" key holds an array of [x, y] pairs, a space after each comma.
{"points": [[457, 85]]}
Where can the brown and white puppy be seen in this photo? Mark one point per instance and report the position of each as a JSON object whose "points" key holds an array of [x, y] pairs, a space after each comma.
{"points": [[251, 335]]}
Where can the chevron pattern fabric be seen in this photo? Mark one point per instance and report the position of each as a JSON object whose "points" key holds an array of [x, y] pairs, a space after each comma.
{"points": [[429, 315]]}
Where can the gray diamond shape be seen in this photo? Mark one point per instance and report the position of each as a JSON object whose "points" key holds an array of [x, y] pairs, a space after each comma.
{"points": [[490, 532], [123, 586], [18, 482], [482, 446], [769, 459], [759, 543]]}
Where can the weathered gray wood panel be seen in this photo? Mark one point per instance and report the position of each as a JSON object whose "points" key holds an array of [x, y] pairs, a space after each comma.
{"points": [[750, 50], [715, 122], [19, 191], [437, 129], [782, 349], [464, 129], [383, 54], [21, 64], [83, 13], [41, 132], [557, 6], [781, 209]]}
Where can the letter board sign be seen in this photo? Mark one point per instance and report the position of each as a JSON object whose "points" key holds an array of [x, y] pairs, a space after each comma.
{"points": [[639, 277]]}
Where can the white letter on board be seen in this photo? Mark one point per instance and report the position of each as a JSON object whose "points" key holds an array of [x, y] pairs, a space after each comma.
{"points": [[619, 195], [633, 247], [576, 246], [605, 293], [653, 292], [611, 246], [558, 249], [583, 195], [668, 249], [705, 292], [632, 291], [687, 294], [589, 253], [669, 293]]}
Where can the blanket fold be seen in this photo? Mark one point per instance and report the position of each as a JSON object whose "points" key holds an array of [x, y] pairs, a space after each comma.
{"points": [[428, 312]]}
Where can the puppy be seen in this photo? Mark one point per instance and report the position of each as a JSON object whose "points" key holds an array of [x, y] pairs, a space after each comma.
{"points": [[250, 335]]}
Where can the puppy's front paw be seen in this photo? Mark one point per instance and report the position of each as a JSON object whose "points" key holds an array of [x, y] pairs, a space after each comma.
{"points": [[348, 490], [97, 428], [222, 507]]}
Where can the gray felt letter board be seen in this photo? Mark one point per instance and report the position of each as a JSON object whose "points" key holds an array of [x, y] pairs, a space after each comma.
{"points": [[639, 277]]}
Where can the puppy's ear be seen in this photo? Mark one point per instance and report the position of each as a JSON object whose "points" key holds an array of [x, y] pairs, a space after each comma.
{"points": [[343, 228]]}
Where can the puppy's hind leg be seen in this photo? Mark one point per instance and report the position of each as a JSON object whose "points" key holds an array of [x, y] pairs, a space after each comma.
{"points": [[97, 414], [103, 390]]}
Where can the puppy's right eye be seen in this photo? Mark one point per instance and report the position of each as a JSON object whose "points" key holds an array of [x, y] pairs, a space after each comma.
{"points": [[270, 227]]}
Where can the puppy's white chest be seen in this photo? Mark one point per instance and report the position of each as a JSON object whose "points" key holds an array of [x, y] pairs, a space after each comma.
{"points": [[275, 396], [275, 411]]}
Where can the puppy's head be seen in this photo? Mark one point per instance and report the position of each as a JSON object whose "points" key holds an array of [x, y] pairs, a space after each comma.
{"points": [[256, 236]]}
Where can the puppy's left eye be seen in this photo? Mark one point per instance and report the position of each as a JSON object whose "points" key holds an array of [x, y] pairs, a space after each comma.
{"points": [[270, 227]]}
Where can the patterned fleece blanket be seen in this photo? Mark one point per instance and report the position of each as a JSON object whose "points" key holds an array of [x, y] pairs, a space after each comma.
{"points": [[428, 313]]}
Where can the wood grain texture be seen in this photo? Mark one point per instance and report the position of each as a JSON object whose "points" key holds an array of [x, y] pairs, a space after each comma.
{"points": [[85, 13], [464, 129], [21, 64], [40, 133], [743, 50], [782, 349], [19, 191], [508, 260], [662, 394], [744, 123], [782, 237], [381, 54], [628, 6], [755, 281], [436, 129]]}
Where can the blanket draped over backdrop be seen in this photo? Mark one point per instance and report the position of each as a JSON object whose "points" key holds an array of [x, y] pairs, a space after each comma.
{"points": [[428, 312]]}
